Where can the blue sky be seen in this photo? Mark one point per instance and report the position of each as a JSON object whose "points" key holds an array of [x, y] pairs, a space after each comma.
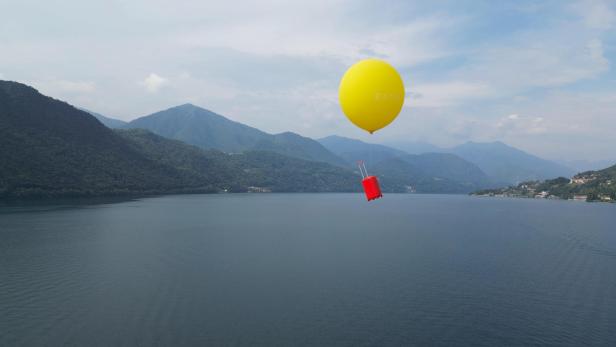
{"points": [[535, 74]]}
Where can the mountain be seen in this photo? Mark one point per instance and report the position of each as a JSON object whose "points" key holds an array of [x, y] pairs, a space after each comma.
{"points": [[107, 121], [414, 147], [597, 185], [294, 145], [590, 186], [502, 163], [352, 150], [250, 170], [427, 172], [50, 148], [509, 165], [208, 130], [432, 173], [202, 128], [400, 175], [450, 167]]}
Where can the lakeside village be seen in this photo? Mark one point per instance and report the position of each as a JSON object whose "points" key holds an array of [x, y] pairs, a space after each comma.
{"points": [[589, 186]]}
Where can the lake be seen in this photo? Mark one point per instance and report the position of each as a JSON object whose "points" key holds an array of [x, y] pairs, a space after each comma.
{"points": [[308, 269]]}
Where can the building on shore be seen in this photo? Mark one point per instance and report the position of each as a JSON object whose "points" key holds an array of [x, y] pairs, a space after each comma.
{"points": [[580, 197]]}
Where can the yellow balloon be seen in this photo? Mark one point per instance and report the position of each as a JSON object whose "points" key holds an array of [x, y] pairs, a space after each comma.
{"points": [[371, 94]]}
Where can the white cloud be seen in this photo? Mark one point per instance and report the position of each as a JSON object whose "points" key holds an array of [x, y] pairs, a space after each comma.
{"points": [[597, 14], [322, 29], [517, 124], [276, 64], [595, 48], [406, 45], [446, 94], [557, 125], [537, 61], [154, 82]]}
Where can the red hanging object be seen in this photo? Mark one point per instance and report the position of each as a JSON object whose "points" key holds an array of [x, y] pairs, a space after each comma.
{"points": [[371, 187], [370, 183]]}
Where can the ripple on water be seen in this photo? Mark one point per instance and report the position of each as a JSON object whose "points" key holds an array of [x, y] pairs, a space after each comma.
{"points": [[313, 269]]}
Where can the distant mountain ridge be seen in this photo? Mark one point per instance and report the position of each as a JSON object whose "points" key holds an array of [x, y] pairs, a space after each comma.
{"points": [[352, 150], [427, 172], [208, 130], [294, 145], [107, 121], [200, 127], [503, 164], [509, 165], [414, 147]]}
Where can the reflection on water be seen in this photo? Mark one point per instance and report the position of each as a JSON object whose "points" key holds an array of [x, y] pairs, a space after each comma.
{"points": [[30, 205], [308, 269]]}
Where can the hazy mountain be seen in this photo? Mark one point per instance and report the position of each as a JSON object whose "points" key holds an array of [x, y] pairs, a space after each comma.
{"points": [[352, 150], [503, 163], [206, 129], [107, 121], [432, 173], [414, 147], [294, 145], [50, 148], [450, 167], [435, 172]]}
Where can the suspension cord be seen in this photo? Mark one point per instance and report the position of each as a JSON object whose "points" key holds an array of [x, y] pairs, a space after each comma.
{"points": [[362, 169]]}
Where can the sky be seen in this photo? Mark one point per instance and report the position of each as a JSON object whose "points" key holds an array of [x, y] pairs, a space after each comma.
{"points": [[537, 75]]}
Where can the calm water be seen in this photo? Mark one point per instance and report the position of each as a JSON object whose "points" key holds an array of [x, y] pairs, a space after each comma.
{"points": [[309, 269]]}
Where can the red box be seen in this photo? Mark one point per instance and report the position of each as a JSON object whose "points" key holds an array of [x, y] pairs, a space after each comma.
{"points": [[371, 188]]}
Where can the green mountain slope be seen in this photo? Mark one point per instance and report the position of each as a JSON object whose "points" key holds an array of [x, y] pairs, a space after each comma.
{"points": [[597, 185], [201, 128], [49, 148], [245, 171], [590, 185], [298, 146], [286, 174], [208, 130]]}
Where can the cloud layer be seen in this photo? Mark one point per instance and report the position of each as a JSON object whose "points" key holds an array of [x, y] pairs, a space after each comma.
{"points": [[536, 75]]}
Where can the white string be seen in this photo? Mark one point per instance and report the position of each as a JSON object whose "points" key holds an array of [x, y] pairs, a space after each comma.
{"points": [[359, 164]]}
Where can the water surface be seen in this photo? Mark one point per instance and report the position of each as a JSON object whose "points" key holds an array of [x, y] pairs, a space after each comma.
{"points": [[308, 269]]}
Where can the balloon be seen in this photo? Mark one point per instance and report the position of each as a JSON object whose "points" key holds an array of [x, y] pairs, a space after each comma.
{"points": [[371, 94]]}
